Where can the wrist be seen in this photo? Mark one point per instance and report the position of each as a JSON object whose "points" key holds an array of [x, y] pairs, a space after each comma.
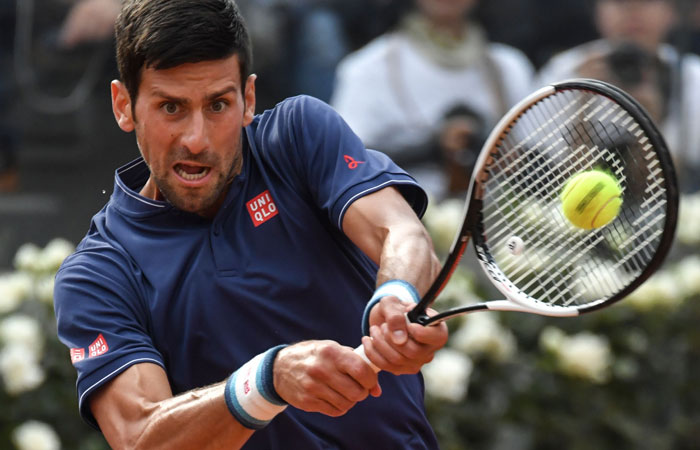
{"points": [[250, 392], [403, 290]]}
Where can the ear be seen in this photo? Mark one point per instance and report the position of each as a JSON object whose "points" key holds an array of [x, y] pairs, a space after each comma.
{"points": [[121, 106], [249, 94]]}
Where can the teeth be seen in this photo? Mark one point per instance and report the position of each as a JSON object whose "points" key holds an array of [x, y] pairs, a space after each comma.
{"points": [[193, 176]]}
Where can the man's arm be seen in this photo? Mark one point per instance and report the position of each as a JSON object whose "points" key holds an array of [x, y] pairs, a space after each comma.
{"points": [[384, 227], [136, 410]]}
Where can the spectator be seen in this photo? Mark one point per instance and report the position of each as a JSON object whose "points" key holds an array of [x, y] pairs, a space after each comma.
{"points": [[8, 137], [89, 21], [633, 55], [397, 91]]}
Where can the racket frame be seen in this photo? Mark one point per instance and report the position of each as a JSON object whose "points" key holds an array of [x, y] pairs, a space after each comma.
{"points": [[472, 225]]}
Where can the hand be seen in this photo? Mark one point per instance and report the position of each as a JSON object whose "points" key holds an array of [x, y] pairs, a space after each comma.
{"points": [[89, 21], [323, 376], [397, 346], [455, 135]]}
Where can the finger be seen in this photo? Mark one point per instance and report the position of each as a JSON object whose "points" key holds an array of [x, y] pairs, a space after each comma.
{"points": [[394, 314], [432, 335], [372, 352], [359, 371], [326, 401], [380, 336]]}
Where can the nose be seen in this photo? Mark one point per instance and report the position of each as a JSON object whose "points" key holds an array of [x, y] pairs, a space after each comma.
{"points": [[195, 137]]}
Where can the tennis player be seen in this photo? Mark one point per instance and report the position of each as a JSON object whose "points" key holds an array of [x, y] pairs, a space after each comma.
{"points": [[217, 298]]}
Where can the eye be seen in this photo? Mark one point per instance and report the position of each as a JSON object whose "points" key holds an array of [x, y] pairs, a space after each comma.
{"points": [[170, 108], [219, 106]]}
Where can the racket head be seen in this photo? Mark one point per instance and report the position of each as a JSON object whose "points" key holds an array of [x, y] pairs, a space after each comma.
{"points": [[527, 248]]}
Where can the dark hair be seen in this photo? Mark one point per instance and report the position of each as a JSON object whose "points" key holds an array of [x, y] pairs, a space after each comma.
{"points": [[166, 33]]}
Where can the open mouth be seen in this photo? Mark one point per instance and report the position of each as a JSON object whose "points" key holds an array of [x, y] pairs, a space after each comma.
{"points": [[191, 173]]}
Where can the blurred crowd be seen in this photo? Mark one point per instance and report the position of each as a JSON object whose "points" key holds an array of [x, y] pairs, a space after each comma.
{"points": [[421, 80]]}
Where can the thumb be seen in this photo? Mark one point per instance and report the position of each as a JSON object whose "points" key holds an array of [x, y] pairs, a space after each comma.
{"points": [[397, 328]]}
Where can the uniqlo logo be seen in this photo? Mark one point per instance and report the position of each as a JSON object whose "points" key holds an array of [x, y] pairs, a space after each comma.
{"points": [[262, 208], [77, 354], [99, 347]]}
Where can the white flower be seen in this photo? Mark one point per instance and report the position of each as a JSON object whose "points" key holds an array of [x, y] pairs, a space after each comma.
{"points": [[447, 376], [551, 339], [442, 221], [28, 258], [54, 253], [660, 290], [459, 291], [584, 355], [534, 213], [20, 370], [688, 275], [43, 289], [481, 334], [688, 219], [22, 330], [35, 435], [600, 281], [14, 288]]}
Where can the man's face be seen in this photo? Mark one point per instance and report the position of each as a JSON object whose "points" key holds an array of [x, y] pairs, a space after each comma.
{"points": [[188, 122], [445, 10], [644, 22]]}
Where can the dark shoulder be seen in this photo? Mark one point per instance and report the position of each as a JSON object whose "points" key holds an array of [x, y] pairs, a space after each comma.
{"points": [[298, 108]]}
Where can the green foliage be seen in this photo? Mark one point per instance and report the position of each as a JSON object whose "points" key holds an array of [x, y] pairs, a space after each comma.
{"points": [[649, 398], [53, 401]]}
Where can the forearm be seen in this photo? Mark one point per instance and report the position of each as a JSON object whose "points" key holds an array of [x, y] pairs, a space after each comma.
{"points": [[387, 230], [137, 410], [407, 254], [196, 419]]}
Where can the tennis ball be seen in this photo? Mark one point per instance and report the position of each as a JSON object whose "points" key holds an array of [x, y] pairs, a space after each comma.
{"points": [[591, 199]]}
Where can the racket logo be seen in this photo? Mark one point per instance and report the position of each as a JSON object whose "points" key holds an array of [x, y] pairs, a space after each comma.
{"points": [[262, 208], [352, 162]]}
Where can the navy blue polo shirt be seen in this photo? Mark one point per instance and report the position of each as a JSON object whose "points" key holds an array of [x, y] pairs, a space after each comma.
{"points": [[200, 297]]}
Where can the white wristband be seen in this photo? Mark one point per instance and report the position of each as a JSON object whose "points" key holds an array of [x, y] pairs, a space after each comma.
{"points": [[250, 392], [403, 290]]}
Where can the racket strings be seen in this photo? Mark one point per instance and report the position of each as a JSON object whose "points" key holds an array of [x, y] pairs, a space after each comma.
{"points": [[554, 139]]}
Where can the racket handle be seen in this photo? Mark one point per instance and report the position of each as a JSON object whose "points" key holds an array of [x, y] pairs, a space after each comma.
{"points": [[360, 350]]}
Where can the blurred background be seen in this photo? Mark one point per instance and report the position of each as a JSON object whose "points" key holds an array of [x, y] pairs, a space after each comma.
{"points": [[423, 81]]}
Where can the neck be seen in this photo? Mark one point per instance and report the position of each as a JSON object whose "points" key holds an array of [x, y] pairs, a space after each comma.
{"points": [[454, 26], [150, 190]]}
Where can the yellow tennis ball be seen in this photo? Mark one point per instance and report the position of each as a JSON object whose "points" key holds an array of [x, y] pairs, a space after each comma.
{"points": [[591, 199]]}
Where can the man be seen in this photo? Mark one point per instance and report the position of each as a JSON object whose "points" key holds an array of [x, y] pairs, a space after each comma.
{"points": [[228, 274], [632, 54], [402, 92]]}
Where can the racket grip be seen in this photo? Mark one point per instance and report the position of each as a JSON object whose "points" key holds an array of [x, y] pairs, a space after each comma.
{"points": [[360, 350]]}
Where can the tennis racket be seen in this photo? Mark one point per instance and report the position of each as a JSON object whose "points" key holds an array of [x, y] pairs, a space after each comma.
{"points": [[527, 248]]}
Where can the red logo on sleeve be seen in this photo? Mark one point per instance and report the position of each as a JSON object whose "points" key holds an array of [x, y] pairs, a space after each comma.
{"points": [[352, 162], [99, 347], [77, 354], [262, 208]]}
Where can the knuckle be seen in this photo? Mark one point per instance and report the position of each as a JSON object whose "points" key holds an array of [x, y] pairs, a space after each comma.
{"points": [[328, 350], [316, 372]]}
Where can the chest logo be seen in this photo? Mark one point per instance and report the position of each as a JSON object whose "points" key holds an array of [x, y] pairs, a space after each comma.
{"points": [[99, 347], [262, 208], [352, 162]]}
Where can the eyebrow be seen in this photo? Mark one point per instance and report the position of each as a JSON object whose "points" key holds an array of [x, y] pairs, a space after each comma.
{"points": [[182, 100]]}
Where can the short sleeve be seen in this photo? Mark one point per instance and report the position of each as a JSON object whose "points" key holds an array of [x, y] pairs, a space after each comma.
{"points": [[308, 142], [101, 319]]}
